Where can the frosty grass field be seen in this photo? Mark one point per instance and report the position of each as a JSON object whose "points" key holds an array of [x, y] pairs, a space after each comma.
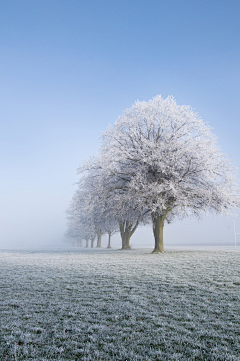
{"points": [[93, 304]]}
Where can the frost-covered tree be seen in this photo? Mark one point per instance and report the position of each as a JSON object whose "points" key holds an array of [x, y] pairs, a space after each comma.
{"points": [[85, 212], [110, 226], [75, 235], [161, 158], [106, 201], [79, 222]]}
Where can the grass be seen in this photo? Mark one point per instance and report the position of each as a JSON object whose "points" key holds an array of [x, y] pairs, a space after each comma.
{"points": [[120, 305]]}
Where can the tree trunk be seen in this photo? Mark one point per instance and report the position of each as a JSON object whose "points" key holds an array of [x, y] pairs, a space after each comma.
{"points": [[99, 241], [126, 241], [86, 243], [99, 238], [92, 240], [109, 240], [126, 230], [158, 224]]}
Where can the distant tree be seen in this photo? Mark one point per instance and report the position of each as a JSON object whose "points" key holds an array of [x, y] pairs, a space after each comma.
{"points": [[111, 227], [106, 204], [74, 235], [80, 224], [162, 160]]}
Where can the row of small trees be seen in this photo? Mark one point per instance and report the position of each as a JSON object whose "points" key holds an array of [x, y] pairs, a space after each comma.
{"points": [[158, 162]]}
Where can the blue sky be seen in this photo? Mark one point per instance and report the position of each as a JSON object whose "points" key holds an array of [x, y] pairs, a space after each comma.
{"points": [[69, 68]]}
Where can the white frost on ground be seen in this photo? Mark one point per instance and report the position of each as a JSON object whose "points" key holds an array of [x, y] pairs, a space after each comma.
{"points": [[120, 305]]}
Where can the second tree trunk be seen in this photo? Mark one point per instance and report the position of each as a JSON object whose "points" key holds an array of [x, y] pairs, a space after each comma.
{"points": [[127, 229]]}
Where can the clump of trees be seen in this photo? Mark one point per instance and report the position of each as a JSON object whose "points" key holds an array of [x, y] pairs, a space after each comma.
{"points": [[158, 162]]}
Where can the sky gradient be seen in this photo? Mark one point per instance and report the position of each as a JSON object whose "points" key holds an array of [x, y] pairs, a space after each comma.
{"points": [[69, 68]]}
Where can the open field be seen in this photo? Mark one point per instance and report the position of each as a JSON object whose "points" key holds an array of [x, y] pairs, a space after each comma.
{"points": [[120, 305]]}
